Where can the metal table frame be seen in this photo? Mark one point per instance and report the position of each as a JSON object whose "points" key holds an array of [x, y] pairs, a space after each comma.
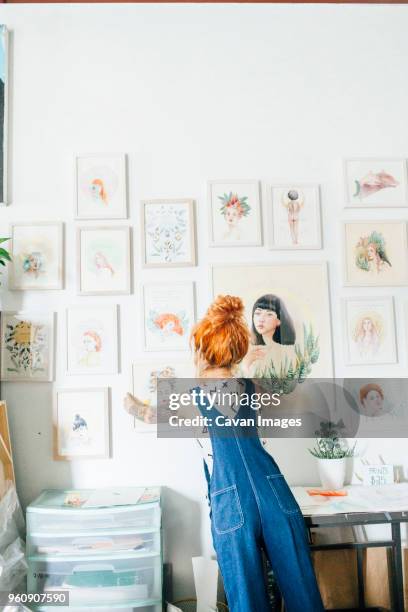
{"points": [[355, 519]]}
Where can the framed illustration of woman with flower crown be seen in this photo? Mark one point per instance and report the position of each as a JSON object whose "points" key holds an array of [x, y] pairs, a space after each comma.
{"points": [[235, 213]]}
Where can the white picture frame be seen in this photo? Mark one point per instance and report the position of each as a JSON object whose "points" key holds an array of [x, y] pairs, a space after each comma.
{"points": [[375, 253], [171, 245], [289, 227], [27, 346], [103, 260], [375, 182], [81, 424], [100, 186], [225, 216], [369, 331], [37, 256], [92, 339], [4, 120], [168, 315]]}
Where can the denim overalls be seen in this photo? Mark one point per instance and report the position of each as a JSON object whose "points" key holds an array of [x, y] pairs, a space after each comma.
{"points": [[252, 507]]}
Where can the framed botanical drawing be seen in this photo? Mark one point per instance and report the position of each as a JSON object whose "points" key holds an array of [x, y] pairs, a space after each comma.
{"points": [[288, 312], [235, 213], [103, 260], [168, 316], [376, 253], [37, 256], [144, 385], [370, 331], [168, 233], [101, 187], [3, 112], [81, 424], [294, 219], [27, 346], [376, 182], [92, 339]]}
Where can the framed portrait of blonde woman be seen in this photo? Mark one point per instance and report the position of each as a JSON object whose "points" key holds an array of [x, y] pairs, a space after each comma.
{"points": [[370, 336]]}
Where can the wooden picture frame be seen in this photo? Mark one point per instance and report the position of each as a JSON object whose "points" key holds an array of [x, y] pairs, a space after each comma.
{"points": [[380, 187]]}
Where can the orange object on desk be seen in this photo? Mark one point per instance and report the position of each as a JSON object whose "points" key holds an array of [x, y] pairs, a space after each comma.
{"points": [[326, 493]]}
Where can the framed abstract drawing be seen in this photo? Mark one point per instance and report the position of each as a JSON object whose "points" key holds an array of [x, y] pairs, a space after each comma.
{"points": [[375, 183], [92, 339], [235, 213], [145, 375], [168, 233], [376, 253], [27, 347], [37, 256], [101, 187], [168, 316], [81, 424], [370, 331], [3, 112], [294, 219], [103, 258]]}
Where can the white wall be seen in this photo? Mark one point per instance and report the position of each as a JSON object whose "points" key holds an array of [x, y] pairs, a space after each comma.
{"points": [[190, 93]]}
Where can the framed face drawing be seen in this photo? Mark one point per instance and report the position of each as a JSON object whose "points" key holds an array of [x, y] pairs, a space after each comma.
{"points": [[3, 112], [168, 231], [235, 213], [287, 309], [37, 256], [103, 260], [27, 346], [376, 253], [101, 187], [144, 385], [375, 183], [370, 331], [169, 314], [294, 219], [92, 339], [81, 424]]}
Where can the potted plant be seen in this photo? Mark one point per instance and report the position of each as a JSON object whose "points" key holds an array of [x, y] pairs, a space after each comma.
{"points": [[4, 254], [331, 453]]}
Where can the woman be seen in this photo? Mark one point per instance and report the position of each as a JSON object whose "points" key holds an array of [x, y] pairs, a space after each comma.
{"points": [[367, 335], [293, 201]]}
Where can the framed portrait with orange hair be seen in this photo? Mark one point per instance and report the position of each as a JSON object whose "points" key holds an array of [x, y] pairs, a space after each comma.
{"points": [[100, 186]]}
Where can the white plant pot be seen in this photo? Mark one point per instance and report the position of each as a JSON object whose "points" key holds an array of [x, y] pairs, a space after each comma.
{"points": [[332, 472]]}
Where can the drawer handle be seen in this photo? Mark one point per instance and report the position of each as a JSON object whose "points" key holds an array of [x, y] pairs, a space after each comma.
{"points": [[94, 567]]}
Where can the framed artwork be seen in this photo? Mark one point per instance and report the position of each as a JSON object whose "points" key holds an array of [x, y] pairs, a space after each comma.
{"points": [[37, 256], [370, 331], [294, 220], [103, 260], [92, 339], [3, 112], [235, 213], [376, 253], [288, 312], [27, 346], [81, 424], [168, 232], [169, 314], [144, 386], [100, 187], [376, 182]]}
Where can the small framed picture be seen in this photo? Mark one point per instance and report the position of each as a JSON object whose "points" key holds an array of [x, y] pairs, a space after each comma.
{"points": [[370, 331], [101, 187], [375, 183], [4, 85], [27, 346], [169, 314], [294, 219], [37, 256], [81, 424], [376, 253], [235, 213], [103, 260], [168, 233], [92, 339]]}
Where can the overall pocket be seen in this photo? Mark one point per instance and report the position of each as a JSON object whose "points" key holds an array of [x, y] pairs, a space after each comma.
{"points": [[283, 494], [226, 510]]}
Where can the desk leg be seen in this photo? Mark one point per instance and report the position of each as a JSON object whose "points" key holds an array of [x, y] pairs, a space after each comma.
{"points": [[360, 579], [398, 580]]}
